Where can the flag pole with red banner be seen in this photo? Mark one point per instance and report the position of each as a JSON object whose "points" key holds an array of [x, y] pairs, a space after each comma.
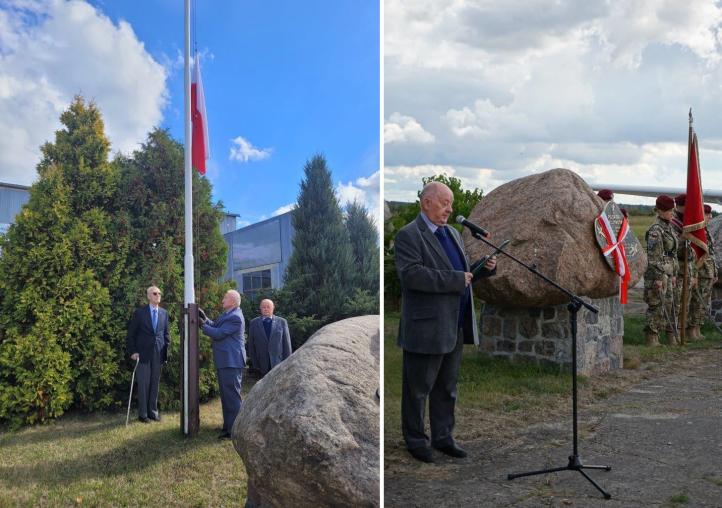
{"points": [[693, 225], [693, 231]]}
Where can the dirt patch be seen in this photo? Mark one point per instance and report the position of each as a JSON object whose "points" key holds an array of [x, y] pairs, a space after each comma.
{"points": [[659, 428]]}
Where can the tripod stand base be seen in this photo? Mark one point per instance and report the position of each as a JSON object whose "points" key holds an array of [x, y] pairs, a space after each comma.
{"points": [[575, 464]]}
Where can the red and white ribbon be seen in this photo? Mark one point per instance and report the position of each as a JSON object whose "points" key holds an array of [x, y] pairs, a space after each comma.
{"points": [[615, 247]]}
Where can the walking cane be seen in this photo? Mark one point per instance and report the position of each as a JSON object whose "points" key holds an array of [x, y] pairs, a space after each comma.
{"points": [[130, 397]]}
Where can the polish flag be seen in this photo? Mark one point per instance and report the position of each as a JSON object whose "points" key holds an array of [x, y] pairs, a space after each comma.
{"points": [[201, 148]]}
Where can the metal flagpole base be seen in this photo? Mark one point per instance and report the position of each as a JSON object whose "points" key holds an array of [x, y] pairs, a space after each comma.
{"points": [[189, 389], [575, 464]]}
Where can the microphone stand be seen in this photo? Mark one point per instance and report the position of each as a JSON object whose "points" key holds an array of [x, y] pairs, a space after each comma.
{"points": [[575, 303]]}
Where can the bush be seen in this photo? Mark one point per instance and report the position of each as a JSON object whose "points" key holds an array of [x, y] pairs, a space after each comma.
{"points": [[35, 377]]}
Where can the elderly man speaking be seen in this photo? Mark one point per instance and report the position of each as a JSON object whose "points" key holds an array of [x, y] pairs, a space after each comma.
{"points": [[229, 355], [436, 313]]}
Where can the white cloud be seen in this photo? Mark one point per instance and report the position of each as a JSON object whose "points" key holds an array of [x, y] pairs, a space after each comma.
{"points": [[364, 190], [405, 129], [402, 183], [54, 49], [600, 88], [244, 151], [283, 209]]}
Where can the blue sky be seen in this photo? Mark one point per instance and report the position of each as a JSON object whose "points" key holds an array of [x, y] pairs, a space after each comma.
{"points": [[283, 80]]}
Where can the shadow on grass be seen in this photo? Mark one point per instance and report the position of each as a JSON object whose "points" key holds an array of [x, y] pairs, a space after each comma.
{"points": [[74, 425], [123, 456]]}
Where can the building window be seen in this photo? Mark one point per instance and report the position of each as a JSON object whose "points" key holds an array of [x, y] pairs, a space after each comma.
{"points": [[254, 282]]}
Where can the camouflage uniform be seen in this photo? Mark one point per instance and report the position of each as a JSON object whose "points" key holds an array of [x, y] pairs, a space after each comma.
{"points": [[661, 266], [683, 248], [701, 300]]}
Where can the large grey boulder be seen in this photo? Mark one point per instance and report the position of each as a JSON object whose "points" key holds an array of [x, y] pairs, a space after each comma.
{"points": [[549, 218], [308, 432]]}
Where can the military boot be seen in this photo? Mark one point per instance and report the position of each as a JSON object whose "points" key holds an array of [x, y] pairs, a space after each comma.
{"points": [[698, 334], [652, 339], [691, 334], [672, 340]]}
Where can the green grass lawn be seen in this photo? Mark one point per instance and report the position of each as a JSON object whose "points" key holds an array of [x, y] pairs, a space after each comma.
{"points": [[94, 460], [635, 348], [640, 224]]}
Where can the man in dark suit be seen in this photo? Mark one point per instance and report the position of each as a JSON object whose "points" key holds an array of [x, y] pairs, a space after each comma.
{"points": [[229, 355], [148, 341], [269, 341], [436, 314]]}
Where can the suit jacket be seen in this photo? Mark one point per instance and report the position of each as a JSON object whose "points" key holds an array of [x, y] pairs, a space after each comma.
{"points": [[228, 345], [431, 291], [142, 339], [267, 352]]}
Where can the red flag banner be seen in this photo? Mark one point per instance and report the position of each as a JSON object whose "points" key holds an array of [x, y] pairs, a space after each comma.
{"points": [[693, 226], [200, 146]]}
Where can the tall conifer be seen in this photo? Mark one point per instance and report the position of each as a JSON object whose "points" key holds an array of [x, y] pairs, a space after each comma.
{"points": [[59, 264], [319, 274]]}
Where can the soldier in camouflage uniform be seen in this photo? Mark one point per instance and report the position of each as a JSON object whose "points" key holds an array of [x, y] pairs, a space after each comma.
{"points": [[659, 276], [684, 248], [706, 276]]}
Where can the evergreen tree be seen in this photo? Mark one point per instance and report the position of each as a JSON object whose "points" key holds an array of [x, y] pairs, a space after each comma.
{"points": [[365, 248], [152, 198], [91, 238], [61, 260], [319, 275]]}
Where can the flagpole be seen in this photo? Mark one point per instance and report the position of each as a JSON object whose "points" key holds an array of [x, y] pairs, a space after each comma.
{"points": [[189, 294]]}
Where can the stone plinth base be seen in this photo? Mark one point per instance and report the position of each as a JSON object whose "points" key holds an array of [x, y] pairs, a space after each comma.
{"points": [[543, 335]]}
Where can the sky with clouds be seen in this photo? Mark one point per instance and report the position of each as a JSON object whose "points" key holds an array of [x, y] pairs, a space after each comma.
{"points": [[491, 91], [283, 81]]}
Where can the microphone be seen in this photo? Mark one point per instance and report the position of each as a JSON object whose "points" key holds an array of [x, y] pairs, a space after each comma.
{"points": [[476, 229]]}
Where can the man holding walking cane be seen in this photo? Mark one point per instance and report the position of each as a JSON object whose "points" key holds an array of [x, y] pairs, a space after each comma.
{"points": [[147, 343]]}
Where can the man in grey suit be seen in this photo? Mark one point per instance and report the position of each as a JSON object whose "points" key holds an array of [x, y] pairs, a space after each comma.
{"points": [[147, 341], [269, 341], [229, 355], [436, 314]]}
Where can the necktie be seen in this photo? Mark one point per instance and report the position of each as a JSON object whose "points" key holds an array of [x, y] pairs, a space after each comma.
{"points": [[454, 256], [155, 319]]}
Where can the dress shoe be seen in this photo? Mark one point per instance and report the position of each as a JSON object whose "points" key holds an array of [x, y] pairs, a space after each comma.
{"points": [[143, 419], [422, 453], [224, 435], [452, 450]]}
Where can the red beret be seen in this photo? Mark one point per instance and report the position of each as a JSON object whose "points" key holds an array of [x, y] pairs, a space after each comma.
{"points": [[664, 203], [680, 200], [707, 209], [606, 194]]}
